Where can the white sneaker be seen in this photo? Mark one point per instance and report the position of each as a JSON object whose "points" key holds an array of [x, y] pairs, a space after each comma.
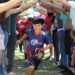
{"points": [[58, 63], [26, 61], [51, 58]]}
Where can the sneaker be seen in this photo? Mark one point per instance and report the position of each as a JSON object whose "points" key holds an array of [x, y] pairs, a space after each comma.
{"points": [[26, 61], [58, 63], [51, 58]]}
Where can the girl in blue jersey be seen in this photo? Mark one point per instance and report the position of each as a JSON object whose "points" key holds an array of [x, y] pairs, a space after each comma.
{"points": [[37, 39]]}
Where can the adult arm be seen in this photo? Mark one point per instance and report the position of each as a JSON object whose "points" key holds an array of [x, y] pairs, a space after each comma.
{"points": [[41, 10], [67, 4], [20, 9], [7, 5], [52, 5]]}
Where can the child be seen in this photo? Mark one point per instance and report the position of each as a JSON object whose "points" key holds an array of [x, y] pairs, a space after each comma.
{"points": [[37, 39]]}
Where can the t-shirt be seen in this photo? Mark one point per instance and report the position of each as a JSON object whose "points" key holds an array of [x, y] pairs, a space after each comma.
{"points": [[37, 41], [63, 17], [48, 22], [59, 21], [23, 25], [6, 24], [68, 24], [20, 28], [72, 12]]}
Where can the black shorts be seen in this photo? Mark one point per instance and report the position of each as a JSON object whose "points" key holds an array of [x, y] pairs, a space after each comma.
{"points": [[34, 62]]}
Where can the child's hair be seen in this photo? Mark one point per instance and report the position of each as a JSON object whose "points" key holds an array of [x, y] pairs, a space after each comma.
{"points": [[38, 21]]}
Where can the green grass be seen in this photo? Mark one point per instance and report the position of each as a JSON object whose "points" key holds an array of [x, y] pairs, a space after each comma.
{"points": [[45, 65]]}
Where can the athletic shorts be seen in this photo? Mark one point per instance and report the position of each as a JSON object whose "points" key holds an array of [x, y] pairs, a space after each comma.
{"points": [[34, 62]]}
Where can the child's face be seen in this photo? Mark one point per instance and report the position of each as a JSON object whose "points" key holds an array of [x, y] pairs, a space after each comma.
{"points": [[37, 27]]}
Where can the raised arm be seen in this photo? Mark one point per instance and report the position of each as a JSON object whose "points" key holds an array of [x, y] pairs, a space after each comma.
{"points": [[51, 4], [65, 3], [7, 5], [20, 8], [41, 10]]}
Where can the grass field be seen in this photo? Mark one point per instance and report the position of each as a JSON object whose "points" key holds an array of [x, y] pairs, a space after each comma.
{"points": [[45, 65], [45, 68]]}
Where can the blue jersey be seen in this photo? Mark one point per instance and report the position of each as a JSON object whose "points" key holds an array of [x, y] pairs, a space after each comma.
{"points": [[37, 41]]}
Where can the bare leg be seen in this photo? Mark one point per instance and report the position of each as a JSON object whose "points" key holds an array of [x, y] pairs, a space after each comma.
{"points": [[30, 70]]}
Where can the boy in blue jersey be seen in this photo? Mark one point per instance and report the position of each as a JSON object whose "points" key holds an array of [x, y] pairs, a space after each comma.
{"points": [[37, 39]]}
